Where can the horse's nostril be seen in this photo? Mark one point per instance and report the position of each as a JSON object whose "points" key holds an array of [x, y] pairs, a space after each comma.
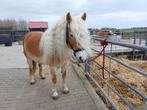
{"points": [[80, 58]]}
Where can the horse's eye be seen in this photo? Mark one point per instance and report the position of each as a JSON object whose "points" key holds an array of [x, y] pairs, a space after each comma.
{"points": [[71, 35]]}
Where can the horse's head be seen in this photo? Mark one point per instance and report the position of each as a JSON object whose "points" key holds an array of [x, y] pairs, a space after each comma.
{"points": [[77, 36]]}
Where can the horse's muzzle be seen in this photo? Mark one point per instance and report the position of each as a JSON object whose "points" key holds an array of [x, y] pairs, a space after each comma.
{"points": [[81, 55]]}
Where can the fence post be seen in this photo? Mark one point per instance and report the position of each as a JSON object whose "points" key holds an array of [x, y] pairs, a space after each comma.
{"points": [[103, 69], [146, 41], [145, 51], [134, 42], [87, 66]]}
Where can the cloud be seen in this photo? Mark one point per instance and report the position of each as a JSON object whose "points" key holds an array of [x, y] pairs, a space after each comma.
{"points": [[101, 13], [79, 3], [120, 19], [125, 15]]}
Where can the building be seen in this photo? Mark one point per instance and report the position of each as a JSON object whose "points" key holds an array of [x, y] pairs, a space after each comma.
{"points": [[92, 31], [37, 26], [139, 32], [109, 33]]}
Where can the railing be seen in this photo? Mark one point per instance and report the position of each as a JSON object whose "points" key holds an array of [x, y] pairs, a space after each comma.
{"points": [[108, 70]]}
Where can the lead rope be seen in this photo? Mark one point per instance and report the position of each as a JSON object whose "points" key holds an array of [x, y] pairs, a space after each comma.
{"points": [[103, 43]]}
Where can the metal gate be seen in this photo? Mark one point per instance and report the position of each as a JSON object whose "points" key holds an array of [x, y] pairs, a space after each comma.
{"points": [[104, 70]]}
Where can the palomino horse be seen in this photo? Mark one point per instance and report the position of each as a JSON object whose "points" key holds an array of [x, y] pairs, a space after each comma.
{"points": [[56, 46]]}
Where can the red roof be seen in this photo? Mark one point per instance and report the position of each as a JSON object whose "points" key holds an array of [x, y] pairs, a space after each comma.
{"points": [[33, 24]]}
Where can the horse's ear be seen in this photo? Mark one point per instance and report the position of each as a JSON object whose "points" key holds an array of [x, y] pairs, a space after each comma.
{"points": [[68, 17], [84, 16]]}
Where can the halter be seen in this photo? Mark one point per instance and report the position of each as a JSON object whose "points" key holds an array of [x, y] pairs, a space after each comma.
{"points": [[67, 39], [67, 35]]}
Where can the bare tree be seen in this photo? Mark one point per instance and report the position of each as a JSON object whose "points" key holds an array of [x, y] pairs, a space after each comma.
{"points": [[22, 25], [12, 24]]}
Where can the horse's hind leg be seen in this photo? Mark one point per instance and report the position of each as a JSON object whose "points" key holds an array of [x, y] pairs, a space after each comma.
{"points": [[64, 74], [40, 72], [54, 82], [32, 69]]}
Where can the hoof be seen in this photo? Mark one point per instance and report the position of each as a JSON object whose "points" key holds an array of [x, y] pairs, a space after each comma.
{"points": [[55, 95], [43, 77], [32, 82], [66, 91]]}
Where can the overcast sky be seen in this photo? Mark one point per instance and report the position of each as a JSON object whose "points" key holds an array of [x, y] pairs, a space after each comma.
{"points": [[100, 13]]}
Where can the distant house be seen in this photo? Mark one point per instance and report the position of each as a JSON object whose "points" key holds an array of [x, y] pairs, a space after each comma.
{"points": [[37, 26], [92, 31], [136, 32]]}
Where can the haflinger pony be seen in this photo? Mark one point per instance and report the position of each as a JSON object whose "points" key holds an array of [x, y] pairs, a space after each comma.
{"points": [[56, 46]]}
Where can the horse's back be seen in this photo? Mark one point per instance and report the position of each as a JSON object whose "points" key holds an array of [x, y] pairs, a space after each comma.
{"points": [[31, 44]]}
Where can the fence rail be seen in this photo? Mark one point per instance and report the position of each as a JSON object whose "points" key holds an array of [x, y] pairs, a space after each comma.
{"points": [[143, 48]]}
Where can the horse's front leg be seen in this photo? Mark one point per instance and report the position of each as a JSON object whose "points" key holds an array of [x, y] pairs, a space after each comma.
{"points": [[54, 82], [64, 75]]}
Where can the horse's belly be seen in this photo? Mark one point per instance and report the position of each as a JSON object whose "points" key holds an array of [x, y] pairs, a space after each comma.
{"points": [[34, 58], [51, 61]]}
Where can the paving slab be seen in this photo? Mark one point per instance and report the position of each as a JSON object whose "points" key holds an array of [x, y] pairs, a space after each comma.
{"points": [[12, 57]]}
